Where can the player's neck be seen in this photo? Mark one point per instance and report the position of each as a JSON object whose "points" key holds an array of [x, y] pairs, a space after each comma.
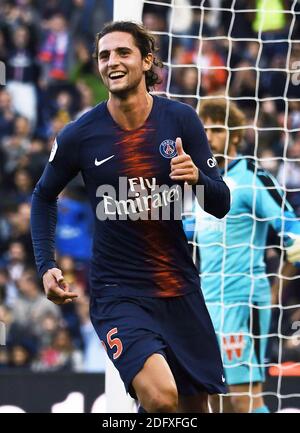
{"points": [[131, 112]]}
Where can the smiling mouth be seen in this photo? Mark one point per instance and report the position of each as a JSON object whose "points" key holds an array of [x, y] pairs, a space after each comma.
{"points": [[116, 75]]}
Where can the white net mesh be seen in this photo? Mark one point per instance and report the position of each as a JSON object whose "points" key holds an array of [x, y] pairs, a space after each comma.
{"points": [[247, 51]]}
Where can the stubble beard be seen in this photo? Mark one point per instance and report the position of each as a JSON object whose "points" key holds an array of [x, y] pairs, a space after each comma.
{"points": [[126, 91]]}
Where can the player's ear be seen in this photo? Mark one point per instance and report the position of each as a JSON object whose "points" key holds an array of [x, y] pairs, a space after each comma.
{"points": [[148, 62], [235, 140]]}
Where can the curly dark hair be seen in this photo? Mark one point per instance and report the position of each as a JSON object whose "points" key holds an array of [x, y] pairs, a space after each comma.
{"points": [[144, 40]]}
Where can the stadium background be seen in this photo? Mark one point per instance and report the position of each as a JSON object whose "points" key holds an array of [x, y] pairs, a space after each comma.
{"points": [[52, 79]]}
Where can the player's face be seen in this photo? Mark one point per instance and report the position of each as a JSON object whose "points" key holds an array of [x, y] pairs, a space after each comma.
{"points": [[217, 138], [120, 63]]}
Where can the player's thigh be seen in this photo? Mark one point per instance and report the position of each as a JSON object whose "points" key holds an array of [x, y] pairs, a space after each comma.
{"points": [[155, 382], [128, 333], [193, 403]]}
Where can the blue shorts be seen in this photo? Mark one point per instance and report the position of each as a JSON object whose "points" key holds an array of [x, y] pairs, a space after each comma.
{"points": [[179, 328], [242, 331]]}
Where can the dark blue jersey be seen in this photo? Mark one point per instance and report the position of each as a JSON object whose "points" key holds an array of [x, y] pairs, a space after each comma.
{"points": [[136, 256]]}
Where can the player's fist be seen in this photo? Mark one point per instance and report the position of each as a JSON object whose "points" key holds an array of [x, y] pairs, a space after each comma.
{"points": [[56, 289], [183, 167]]}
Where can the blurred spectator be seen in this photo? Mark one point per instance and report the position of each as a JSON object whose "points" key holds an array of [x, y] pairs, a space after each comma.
{"points": [[239, 24], [22, 186], [7, 114], [21, 12], [20, 356], [17, 335], [16, 145], [21, 230], [7, 216], [3, 46], [52, 7], [84, 71], [35, 159], [8, 290], [156, 21], [16, 260], [4, 359], [186, 83], [212, 65], [289, 174], [243, 82], [268, 161], [32, 305], [49, 327], [22, 74], [86, 99], [294, 116], [63, 107], [268, 134], [73, 275], [59, 355], [270, 23], [89, 16], [54, 50], [94, 356]]}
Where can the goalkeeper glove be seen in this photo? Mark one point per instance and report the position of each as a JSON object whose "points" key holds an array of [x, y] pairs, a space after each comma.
{"points": [[293, 249]]}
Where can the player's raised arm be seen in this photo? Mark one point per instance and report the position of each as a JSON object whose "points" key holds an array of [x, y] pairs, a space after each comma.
{"points": [[196, 164], [61, 168]]}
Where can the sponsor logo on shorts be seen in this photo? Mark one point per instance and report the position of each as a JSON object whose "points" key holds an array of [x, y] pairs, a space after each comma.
{"points": [[233, 346]]}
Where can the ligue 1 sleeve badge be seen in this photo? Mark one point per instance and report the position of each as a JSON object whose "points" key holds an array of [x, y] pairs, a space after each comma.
{"points": [[168, 149]]}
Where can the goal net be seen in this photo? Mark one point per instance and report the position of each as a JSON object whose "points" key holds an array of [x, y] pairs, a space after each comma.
{"points": [[247, 52]]}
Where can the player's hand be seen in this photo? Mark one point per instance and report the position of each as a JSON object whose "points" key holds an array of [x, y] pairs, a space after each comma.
{"points": [[56, 289], [182, 166], [293, 251]]}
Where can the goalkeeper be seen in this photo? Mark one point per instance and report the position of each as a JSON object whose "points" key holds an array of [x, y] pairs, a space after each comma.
{"points": [[234, 282]]}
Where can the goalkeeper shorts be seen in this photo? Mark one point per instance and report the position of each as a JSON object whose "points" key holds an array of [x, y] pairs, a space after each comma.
{"points": [[242, 332], [179, 328]]}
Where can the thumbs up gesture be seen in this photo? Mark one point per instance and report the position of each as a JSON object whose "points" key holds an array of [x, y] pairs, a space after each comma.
{"points": [[182, 166]]}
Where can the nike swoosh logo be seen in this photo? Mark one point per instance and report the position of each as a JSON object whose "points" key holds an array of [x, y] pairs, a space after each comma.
{"points": [[97, 163]]}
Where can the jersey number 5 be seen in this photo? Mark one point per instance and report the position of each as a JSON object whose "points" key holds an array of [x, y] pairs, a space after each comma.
{"points": [[114, 342]]}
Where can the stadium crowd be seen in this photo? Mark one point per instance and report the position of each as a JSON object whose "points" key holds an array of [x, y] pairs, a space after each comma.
{"points": [[51, 79]]}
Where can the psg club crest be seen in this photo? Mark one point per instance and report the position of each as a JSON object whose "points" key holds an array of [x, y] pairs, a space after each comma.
{"points": [[168, 149]]}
